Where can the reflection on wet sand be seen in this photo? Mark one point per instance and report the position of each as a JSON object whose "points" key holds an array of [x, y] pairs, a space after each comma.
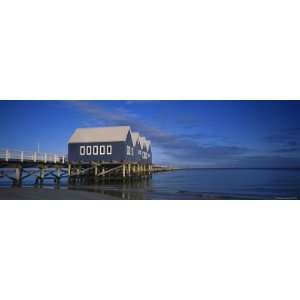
{"points": [[132, 189]]}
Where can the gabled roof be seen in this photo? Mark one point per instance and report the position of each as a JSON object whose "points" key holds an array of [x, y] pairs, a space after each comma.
{"points": [[143, 142], [100, 134], [148, 144], [135, 137]]}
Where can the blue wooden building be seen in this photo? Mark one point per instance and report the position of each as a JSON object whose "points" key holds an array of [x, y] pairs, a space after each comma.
{"points": [[149, 152], [144, 150], [116, 144], [137, 147], [102, 144]]}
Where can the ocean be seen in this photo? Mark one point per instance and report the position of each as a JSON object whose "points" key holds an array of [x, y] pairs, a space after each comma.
{"points": [[196, 184]]}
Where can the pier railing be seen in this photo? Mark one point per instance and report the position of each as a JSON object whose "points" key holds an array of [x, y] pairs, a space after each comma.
{"points": [[29, 156]]}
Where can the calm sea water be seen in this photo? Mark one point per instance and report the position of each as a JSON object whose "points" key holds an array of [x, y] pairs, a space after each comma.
{"points": [[199, 184], [235, 183]]}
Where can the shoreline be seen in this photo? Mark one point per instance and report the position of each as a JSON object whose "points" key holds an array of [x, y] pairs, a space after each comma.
{"points": [[37, 193], [32, 193]]}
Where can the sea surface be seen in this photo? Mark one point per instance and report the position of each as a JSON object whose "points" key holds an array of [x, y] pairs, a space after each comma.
{"points": [[195, 184]]}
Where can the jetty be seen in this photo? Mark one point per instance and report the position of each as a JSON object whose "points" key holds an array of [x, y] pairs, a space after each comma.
{"points": [[17, 165], [97, 153]]}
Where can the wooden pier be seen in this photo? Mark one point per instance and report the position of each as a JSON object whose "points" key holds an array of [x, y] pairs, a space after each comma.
{"points": [[45, 166]]}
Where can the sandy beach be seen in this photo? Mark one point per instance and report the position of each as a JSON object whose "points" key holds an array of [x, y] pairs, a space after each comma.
{"points": [[50, 194]]}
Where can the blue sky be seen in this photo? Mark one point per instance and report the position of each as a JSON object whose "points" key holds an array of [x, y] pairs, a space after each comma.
{"points": [[183, 133]]}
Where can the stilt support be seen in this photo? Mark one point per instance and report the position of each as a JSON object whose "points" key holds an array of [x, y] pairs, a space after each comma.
{"points": [[18, 175], [124, 170]]}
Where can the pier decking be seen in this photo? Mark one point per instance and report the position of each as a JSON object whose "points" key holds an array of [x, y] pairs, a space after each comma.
{"points": [[48, 166]]}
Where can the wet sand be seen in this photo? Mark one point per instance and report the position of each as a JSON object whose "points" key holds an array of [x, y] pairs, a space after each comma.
{"points": [[50, 194]]}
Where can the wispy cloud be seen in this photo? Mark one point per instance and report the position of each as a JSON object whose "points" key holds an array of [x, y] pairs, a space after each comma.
{"points": [[179, 148], [135, 102], [285, 140], [265, 161]]}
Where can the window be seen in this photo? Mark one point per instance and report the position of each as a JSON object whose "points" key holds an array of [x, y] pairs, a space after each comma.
{"points": [[95, 150], [102, 150], [108, 149], [140, 152], [82, 150], [128, 150], [132, 151], [88, 150]]}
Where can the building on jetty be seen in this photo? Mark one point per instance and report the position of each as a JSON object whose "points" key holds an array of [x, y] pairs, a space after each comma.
{"points": [[109, 149], [93, 153]]}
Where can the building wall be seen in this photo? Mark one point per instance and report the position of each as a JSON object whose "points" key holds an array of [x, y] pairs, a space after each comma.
{"points": [[150, 158], [137, 156], [119, 151], [129, 142], [143, 159]]}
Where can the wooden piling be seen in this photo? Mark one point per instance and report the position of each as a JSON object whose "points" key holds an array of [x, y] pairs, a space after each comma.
{"points": [[129, 170], [58, 175], [42, 174], [124, 170], [78, 174], [19, 174]]}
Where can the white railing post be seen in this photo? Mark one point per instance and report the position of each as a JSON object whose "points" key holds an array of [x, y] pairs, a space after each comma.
{"points": [[6, 155], [22, 156], [45, 157], [34, 156], [63, 159]]}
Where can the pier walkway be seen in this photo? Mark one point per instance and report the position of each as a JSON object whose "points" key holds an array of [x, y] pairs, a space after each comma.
{"points": [[28, 156], [17, 165]]}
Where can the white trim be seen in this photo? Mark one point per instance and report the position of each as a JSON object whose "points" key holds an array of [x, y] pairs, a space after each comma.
{"points": [[102, 150], [82, 150], [109, 149], [88, 150], [95, 147]]}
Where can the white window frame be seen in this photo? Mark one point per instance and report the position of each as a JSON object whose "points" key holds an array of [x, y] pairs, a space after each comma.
{"points": [[102, 150], [95, 147], [80, 150], [88, 150], [109, 149]]}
